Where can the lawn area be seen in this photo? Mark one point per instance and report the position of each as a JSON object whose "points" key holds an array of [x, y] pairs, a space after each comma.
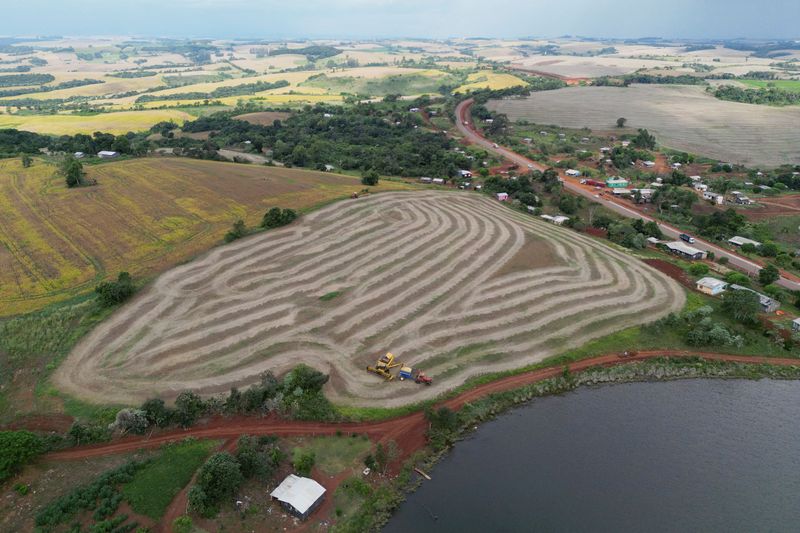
{"points": [[786, 85], [157, 483], [334, 454]]}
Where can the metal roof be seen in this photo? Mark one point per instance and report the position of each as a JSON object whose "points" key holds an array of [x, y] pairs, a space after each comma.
{"points": [[299, 492], [688, 250], [743, 240], [711, 283]]}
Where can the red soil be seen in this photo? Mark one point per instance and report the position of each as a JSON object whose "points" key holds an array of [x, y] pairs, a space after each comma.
{"points": [[671, 270]]}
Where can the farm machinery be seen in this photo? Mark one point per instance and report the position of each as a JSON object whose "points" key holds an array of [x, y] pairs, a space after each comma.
{"points": [[383, 367]]}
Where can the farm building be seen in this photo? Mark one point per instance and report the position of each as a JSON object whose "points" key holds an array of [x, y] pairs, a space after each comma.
{"points": [[425, 180], [329, 168], [649, 164], [644, 194], [739, 241], [796, 324], [621, 192], [696, 178], [438, 181], [685, 251], [78, 155], [299, 495], [713, 197], [502, 196], [573, 173], [768, 305], [107, 154], [711, 286], [617, 183], [701, 187], [465, 173], [557, 219]]}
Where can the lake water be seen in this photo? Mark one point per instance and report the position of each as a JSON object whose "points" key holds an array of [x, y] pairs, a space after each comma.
{"points": [[693, 455]]}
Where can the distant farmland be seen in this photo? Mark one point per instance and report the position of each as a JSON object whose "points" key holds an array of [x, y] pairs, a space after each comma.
{"points": [[682, 117], [117, 123], [144, 216]]}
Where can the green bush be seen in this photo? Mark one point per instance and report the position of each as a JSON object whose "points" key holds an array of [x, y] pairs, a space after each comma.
{"points": [[114, 292], [698, 269], [304, 462], [16, 449], [277, 217]]}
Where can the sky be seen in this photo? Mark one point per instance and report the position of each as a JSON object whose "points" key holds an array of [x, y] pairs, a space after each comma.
{"points": [[285, 19]]}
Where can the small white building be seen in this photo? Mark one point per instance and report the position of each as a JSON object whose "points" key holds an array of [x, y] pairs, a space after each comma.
{"points": [[683, 250], [329, 168], [465, 173], [605, 150], [714, 197], [701, 187], [621, 192], [796, 324], [676, 166], [648, 164], [438, 181], [696, 178], [573, 173], [502, 196], [78, 155], [739, 241], [107, 154], [299, 495], [426, 180], [711, 286], [625, 144]]}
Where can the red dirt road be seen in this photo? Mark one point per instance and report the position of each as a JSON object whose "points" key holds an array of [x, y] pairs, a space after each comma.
{"points": [[408, 431]]}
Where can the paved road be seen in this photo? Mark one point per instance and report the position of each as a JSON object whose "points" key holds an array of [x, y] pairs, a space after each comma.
{"points": [[467, 128]]}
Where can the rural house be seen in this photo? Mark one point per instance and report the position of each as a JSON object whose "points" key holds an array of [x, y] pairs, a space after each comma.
{"points": [[107, 154], [711, 286], [768, 305], [617, 183], [713, 197], [796, 324], [649, 164], [502, 196], [438, 181], [739, 241], [78, 155], [557, 219], [299, 495], [573, 173], [465, 173], [685, 251], [425, 179]]}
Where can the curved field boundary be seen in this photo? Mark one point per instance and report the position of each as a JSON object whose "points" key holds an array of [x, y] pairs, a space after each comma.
{"points": [[408, 430], [443, 280]]}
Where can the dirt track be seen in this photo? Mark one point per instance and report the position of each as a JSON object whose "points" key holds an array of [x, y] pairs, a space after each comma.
{"points": [[408, 431], [445, 280]]}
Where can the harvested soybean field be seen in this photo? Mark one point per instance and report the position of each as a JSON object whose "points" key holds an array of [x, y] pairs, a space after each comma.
{"points": [[452, 283], [682, 117], [143, 216]]}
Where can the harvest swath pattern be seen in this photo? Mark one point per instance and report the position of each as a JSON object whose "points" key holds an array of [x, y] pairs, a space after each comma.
{"points": [[451, 282], [143, 216]]}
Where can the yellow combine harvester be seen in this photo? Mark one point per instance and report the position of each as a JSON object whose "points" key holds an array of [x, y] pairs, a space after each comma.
{"points": [[384, 366]]}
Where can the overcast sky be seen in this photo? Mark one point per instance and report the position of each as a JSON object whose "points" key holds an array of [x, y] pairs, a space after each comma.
{"points": [[404, 18]]}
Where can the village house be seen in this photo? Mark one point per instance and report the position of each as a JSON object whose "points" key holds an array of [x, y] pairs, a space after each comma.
{"points": [[739, 241], [711, 286], [300, 496], [683, 250], [502, 196], [617, 183], [768, 305], [107, 154]]}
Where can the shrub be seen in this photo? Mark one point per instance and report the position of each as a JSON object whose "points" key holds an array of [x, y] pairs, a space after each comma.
{"points": [[277, 217], [737, 278], [130, 420], [370, 178], [219, 477], [743, 306], [304, 462], [182, 524], [769, 274], [115, 292], [237, 231], [698, 269]]}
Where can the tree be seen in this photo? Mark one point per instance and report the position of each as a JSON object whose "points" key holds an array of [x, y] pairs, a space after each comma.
{"points": [[16, 449], [27, 160], [156, 412], [567, 204], [742, 305], [370, 178], [384, 455], [768, 274], [115, 292], [621, 122], [182, 524], [72, 171], [644, 140], [219, 477], [698, 269], [237, 231], [277, 217], [304, 462], [130, 420], [252, 460], [188, 407]]}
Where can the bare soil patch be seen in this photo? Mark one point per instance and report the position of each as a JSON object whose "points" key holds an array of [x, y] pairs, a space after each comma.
{"points": [[264, 118]]}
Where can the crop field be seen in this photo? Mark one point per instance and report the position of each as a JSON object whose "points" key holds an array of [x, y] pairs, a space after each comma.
{"points": [[786, 85], [143, 216], [452, 283], [264, 118], [488, 79], [116, 123], [682, 117], [381, 81]]}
